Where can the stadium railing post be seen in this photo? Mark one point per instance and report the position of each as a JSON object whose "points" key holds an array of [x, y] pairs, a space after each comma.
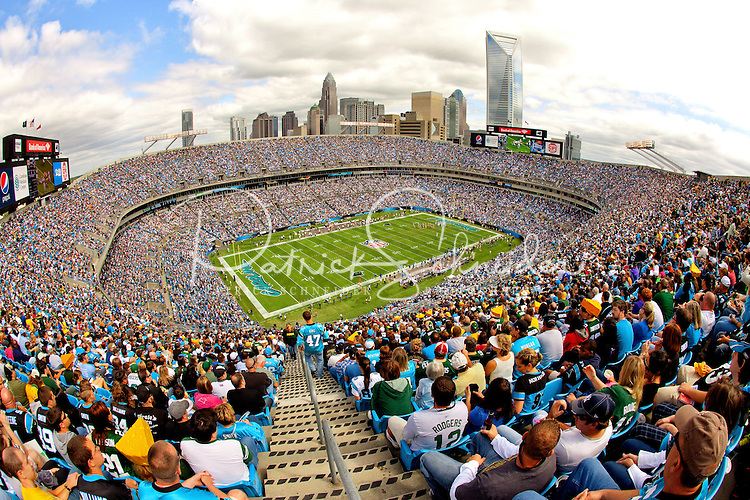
{"points": [[314, 399], [338, 463]]}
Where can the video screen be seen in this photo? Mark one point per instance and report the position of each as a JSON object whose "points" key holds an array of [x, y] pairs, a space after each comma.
{"points": [[45, 181]]}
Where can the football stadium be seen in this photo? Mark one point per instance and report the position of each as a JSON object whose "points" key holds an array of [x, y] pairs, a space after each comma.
{"points": [[364, 305], [184, 291]]}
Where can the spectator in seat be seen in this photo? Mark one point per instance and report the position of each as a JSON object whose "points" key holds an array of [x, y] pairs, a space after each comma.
{"points": [[620, 310], [18, 466], [88, 458], [362, 384], [696, 452], [226, 460], [438, 427], [467, 373], [244, 399], [532, 467], [204, 397], [392, 395], [503, 363], [164, 463], [423, 396]]}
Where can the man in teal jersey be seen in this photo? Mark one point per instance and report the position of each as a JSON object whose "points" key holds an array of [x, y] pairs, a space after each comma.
{"points": [[311, 336]]}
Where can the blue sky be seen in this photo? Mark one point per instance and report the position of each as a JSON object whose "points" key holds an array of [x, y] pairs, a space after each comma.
{"points": [[100, 75]]}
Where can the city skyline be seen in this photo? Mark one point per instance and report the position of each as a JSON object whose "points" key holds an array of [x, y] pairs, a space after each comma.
{"points": [[101, 76]]}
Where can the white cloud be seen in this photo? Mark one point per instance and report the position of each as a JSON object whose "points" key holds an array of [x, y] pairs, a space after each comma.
{"points": [[666, 71]]}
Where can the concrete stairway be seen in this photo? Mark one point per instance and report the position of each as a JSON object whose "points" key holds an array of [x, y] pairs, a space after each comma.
{"points": [[297, 466]]}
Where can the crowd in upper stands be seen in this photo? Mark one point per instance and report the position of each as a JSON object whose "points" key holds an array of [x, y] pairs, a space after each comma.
{"points": [[612, 308]]}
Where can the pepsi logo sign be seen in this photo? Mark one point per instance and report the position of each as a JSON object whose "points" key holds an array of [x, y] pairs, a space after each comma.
{"points": [[4, 183]]}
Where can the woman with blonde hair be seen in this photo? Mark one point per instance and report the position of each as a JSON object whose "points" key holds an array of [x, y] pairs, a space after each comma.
{"points": [[503, 363], [628, 391], [694, 332], [642, 329], [530, 383]]}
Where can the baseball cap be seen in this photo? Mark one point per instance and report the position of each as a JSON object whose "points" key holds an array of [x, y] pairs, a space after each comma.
{"points": [[726, 281], [550, 321], [441, 349], [219, 370], [592, 307], [369, 344], [143, 393], [178, 408], [704, 440], [739, 346], [459, 361], [597, 406]]}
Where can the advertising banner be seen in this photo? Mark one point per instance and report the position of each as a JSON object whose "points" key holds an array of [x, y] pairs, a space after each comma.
{"points": [[553, 148], [6, 188], [533, 132], [21, 182], [61, 172]]}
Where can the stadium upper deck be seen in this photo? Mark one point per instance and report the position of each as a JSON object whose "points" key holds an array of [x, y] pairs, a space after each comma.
{"points": [[40, 246]]}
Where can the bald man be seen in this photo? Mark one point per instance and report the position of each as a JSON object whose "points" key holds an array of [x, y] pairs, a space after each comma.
{"points": [[707, 300], [165, 466]]}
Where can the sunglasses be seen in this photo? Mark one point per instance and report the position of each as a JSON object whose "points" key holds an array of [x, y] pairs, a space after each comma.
{"points": [[676, 443]]}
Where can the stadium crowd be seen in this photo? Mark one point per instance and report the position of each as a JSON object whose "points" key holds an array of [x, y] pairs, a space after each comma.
{"points": [[560, 311]]}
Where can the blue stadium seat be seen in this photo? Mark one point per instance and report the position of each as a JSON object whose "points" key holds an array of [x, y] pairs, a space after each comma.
{"points": [[252, 488], [410, 459]]}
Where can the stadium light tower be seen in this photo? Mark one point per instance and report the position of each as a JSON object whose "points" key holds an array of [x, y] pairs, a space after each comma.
{"points": [[647, 149]]}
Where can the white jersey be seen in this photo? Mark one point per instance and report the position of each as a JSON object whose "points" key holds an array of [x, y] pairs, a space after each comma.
{"points": [[433, 429]]}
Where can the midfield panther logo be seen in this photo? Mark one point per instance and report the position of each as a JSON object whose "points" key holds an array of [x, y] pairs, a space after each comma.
{"points": [[375, 243]]}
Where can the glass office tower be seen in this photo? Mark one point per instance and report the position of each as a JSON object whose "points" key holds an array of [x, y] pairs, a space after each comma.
{"points": [[504, 80]]}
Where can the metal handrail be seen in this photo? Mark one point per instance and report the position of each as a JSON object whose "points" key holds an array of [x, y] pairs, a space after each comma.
{"points": [[335, 459], [346, 478]]}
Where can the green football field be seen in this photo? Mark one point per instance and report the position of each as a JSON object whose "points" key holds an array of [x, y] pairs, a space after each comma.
{"points": [[290, 274]]}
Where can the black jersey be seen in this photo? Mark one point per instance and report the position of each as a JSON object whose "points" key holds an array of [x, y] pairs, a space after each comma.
{"points": [[46, 433], [123, 416], [93, 487], [23, 424]]}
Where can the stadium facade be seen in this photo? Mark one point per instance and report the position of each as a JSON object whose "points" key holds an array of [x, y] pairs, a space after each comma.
{"points": [[504, 80]]}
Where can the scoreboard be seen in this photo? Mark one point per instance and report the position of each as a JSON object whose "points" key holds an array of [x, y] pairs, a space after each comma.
{"points": [[31, 169]]}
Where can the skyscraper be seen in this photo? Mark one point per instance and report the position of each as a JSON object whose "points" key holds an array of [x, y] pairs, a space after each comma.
{"points": [[288, 123], [429, 105], [316, 123], [237, 128], [329, 103], [462, 125], [450, 117], [187, 125], [354, 109], [262, 126], [504, 80]]}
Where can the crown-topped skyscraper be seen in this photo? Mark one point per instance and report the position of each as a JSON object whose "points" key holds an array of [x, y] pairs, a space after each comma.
{"points": [[329, 103]]}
